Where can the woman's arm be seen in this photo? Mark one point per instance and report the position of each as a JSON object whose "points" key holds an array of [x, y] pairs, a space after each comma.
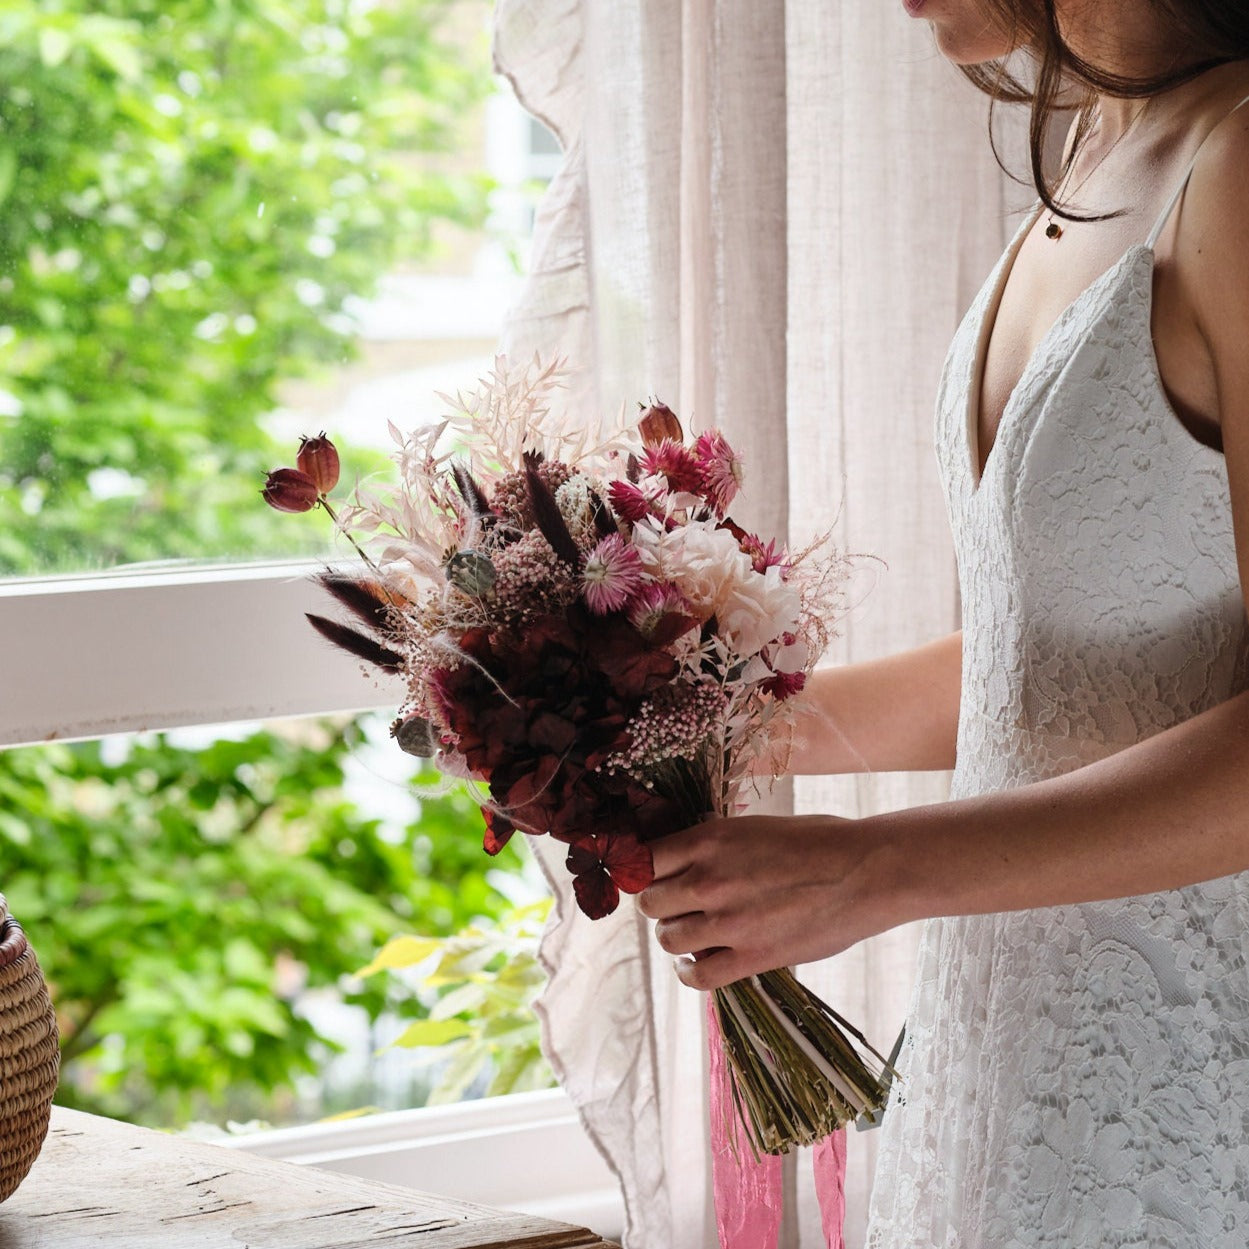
{"points": [[757, 892], [1170, 811], [898, 714]]}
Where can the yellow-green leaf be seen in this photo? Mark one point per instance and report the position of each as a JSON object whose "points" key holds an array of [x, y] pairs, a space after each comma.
{"points": [[401, 952], [433, 1032]]}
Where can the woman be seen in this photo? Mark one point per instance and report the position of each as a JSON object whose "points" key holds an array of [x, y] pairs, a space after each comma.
{"points": [[1077, 1065]]}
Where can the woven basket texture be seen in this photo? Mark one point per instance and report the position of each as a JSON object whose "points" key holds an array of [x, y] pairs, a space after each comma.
{"points": [[29, 1055]]}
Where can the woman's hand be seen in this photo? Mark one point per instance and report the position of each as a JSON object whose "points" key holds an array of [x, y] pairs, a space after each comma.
{"points": [[750, 893]]}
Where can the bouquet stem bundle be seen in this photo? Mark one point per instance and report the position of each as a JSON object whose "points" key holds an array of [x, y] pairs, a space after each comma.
{"points": [[796, 1075]]}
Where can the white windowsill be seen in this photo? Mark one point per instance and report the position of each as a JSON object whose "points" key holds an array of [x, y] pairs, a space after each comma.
{"points": [[524, 1152], [170, 648]]}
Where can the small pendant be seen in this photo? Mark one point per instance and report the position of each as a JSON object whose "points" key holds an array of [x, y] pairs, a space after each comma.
{"points": [[1053, 230]]}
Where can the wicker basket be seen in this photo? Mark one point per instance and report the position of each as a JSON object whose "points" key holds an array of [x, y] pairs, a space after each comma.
{"points": [[29, 1055]]}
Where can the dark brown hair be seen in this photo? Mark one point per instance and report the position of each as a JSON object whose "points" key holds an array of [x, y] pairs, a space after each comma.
{"points": [[1215, 31]]}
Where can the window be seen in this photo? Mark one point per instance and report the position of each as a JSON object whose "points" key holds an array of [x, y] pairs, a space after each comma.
{"points": [[219, 231]]}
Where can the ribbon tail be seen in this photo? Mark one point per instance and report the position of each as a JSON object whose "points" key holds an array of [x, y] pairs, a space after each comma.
{"points": [[749, 1195], [829, 1161]]}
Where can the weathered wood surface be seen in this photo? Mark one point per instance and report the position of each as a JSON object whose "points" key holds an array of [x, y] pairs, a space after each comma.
{"points": [[102, 1183]]}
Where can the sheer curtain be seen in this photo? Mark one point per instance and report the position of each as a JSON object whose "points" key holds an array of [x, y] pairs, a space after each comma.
{"points": [[771, 215]]}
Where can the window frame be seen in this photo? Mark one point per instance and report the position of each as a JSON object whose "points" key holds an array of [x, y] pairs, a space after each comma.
{"points": [[149, 649], [145, 649]]}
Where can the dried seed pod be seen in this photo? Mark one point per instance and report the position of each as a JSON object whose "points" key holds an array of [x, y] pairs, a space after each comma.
{"points": [[289, 490], [659, 422], [471, 572], [416, 736], [319, 459]]}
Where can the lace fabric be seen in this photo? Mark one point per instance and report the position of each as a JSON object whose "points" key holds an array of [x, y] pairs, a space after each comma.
{"points": [[1076, 1076]]}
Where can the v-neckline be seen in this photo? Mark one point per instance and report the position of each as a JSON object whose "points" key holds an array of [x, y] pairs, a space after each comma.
{"points": [[985, 330]]}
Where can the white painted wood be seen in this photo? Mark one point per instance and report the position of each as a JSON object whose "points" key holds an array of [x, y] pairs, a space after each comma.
{"points": [[525, 1152], [87, 656]]}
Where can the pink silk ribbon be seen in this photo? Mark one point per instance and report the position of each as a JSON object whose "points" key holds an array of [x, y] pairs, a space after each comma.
{"points": [[829, 1161], [749, 1192]]}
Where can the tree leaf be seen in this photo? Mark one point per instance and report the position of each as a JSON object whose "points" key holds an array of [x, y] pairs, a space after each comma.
{"points": [[431, 1032], [402, 951]]}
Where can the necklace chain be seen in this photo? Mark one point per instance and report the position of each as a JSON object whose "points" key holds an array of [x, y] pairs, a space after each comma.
{"points": [[1053, 230]]}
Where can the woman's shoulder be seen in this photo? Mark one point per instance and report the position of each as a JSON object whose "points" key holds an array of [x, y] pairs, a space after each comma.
{"points": [[1218, 188], [1212, 236]]}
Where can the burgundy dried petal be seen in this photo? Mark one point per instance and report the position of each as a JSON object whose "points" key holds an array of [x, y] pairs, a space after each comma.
{"points": [[659, 422], [671, 627], [499, 832], [583, 856], [552, 732], [534, 788], [596, 895], [289, 490], [629, 863], [628, 662], [319, 459]]}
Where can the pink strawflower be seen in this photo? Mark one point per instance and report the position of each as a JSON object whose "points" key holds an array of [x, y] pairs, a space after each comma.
{"points": [[611, 576], [720, 467], [763, 557], [652, 603], [675, 462], [629, 502], [781, 685]]}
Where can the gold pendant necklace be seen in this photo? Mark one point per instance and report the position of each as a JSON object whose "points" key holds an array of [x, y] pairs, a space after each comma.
{"points": [[1053, 230]]}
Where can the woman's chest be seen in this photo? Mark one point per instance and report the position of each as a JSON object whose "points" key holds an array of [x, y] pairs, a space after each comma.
{"points": [[1047, 279]]}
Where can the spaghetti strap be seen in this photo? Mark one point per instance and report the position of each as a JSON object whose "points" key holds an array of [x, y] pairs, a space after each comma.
{"points": [[1179, 190]]}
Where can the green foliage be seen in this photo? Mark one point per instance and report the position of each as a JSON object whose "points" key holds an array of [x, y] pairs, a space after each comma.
{"points": [[487, 977], [190, 193], [179, 899]]}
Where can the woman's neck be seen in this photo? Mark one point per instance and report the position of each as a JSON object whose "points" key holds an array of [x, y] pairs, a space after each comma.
{"points": [[1125, 38]]}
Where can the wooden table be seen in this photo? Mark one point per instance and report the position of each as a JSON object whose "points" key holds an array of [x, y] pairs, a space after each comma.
{"points": [[102, 1183]]}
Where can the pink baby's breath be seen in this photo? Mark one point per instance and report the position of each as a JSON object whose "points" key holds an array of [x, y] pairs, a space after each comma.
{"points": [[611, 576], [720, 469], [675, 724]]}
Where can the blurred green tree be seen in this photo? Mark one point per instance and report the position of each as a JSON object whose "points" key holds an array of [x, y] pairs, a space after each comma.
{"points": [[179, 899], [191, 192]]}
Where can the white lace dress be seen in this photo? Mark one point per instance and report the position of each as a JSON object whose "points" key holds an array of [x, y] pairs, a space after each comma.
{"points": [[1078, 1077]]}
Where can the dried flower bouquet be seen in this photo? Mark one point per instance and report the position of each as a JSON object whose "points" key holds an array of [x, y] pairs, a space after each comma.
{"points": [[588, 635]]}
